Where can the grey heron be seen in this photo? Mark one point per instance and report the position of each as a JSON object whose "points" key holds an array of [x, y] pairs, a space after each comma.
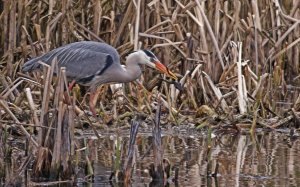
{"points": [[92, 64]]}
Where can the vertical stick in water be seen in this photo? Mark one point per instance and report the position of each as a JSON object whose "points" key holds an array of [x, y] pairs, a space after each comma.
{"points": [[129, 161], [157, 171]]}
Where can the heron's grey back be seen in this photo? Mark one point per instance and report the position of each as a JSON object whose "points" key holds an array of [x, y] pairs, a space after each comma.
{"points": [[82, 60]]}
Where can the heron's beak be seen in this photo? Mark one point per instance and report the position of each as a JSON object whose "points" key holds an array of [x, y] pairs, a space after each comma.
{"points": [[163, 69]]}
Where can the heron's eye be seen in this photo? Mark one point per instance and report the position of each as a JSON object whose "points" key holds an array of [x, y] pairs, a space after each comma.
{"points": [[152, 59]]}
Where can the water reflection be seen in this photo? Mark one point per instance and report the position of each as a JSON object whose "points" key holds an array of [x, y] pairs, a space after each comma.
{"points": [[268, 159]]}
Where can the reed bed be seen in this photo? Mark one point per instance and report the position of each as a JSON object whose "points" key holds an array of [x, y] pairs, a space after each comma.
{"points": [[238, 61], [232, 55]]}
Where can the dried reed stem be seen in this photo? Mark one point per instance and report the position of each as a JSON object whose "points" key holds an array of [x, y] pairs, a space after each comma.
{"points": [[32, 107], [241, 85], [137, 23]]}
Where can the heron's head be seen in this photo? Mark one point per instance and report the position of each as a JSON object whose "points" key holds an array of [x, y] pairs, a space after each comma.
{"points": [[148, 58]]}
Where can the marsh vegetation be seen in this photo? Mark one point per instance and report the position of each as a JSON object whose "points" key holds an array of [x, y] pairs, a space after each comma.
{"points": [[238, 63]]}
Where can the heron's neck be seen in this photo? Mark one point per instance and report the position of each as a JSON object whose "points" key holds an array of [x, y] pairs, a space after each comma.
{"points": [[131, 72]]}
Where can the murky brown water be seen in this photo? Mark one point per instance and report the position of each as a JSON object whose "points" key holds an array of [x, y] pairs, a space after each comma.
{"points": [[268, 159]]}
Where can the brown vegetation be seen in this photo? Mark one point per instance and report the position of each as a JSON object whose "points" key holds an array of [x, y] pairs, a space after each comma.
{"points": [[199, 40], [240, 59]]}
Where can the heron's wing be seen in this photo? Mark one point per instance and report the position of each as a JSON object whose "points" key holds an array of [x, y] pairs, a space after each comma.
{"points": [[77, 55], [82, 64]]}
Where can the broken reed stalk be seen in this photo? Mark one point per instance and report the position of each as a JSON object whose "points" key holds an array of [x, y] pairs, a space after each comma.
{"points": [[129, 162], [241, 85], [46, 97], [137, 4], [71, 127], [55, 162], [32, 107], [61, 109], [59, 164], [157, 168]]}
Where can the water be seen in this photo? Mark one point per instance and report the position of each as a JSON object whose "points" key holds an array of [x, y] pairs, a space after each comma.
{"points": [[270, 159], [267, 159]]}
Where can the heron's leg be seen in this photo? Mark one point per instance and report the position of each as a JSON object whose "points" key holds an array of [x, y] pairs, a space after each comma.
{"points": [[93, 99], [71, 85], [92, 104]]}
